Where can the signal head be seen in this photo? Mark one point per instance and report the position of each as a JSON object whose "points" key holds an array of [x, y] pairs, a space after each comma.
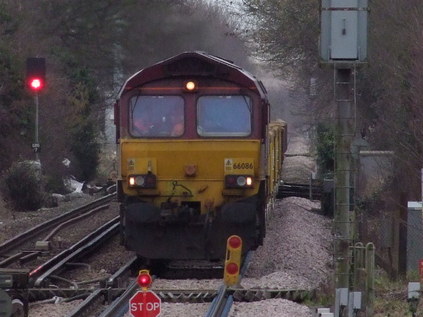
{"points": [[36, 84], [35, 73], [234, 241], [232, 268], [144, 279]]}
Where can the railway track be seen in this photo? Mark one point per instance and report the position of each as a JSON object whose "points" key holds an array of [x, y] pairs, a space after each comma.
{"points": [[56, 223], [311, 191], [62, 261], [220, 299], [110, 297], [118, 299], [111, 293], [32, 285], [17, 282]]}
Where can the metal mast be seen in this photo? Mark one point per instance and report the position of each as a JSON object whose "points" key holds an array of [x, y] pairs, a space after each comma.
{"points": [[343, 46], [344, 94]]}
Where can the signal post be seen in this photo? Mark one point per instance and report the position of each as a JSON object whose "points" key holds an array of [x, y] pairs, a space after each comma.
{"points": [[35, 79], [343, 47]]}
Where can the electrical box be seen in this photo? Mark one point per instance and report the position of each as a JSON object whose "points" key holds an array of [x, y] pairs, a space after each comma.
{"points": [[322, 312], [413, 290], [355, 300], [342, 294], [343, 30], [5, 304]]}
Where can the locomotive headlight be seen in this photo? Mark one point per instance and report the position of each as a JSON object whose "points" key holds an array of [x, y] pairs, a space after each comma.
{"points": [[249, 181], [190, 86], [241, 181], [131, 181], [139, 180], [238, 181], [142, 181]]}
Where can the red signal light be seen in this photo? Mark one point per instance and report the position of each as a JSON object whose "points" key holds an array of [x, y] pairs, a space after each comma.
{"points": [[36, 84], [234, 242], [144, 279], [232, 268]]}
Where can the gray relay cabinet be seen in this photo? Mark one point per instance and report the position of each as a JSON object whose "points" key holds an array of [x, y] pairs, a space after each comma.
{"points": [[343, 30]]}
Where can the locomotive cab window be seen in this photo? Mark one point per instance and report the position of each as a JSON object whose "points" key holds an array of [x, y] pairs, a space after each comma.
{"points": [[156, 116], [228, 115]]}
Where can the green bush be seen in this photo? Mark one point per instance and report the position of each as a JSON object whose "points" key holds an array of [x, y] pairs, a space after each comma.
{"points": [[86, 151], [54, 184], [325, 148], [21, 186]]}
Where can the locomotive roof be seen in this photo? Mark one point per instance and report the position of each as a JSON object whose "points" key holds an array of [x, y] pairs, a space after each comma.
{"points": [[194, 63]]}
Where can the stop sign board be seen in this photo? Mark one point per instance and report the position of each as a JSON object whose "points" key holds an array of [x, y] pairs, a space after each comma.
{"points": [[145, 304]]}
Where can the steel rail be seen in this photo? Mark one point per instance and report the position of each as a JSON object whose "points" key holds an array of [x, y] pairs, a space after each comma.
{"points": [[311, 191], [13, 258], [73, 220], [26, 256], [186, 295], [76, 251], [116, 279], [44, 294], [109, 292], [258, 294], [41, 228], [221, 304], [120, 306], [95, 298]]}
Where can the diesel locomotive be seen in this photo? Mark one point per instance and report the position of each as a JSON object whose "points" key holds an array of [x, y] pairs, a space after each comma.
{"points": [[199, 159]]}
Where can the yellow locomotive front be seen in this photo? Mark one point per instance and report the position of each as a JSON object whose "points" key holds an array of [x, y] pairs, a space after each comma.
{"points": [[193, 159]]}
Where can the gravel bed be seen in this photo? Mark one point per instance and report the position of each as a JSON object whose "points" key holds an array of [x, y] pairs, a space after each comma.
{"points": [[12, 223], [297, 248], [297, 158], [193, 284], [296, 254], [56, 308], [270, 308]]}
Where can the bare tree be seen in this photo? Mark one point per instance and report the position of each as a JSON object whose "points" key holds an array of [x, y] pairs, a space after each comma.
{"points": [[390, 101]]}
